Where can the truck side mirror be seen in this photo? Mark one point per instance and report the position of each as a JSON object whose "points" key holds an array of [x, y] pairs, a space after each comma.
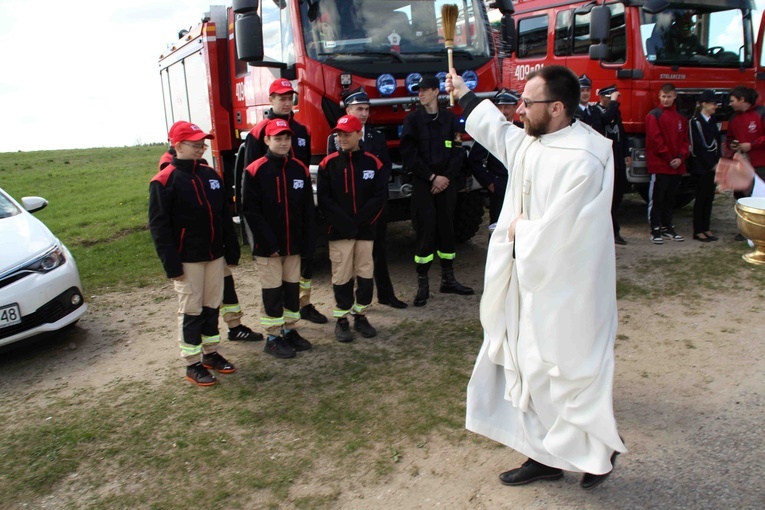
{"points": [[504, 6], [244, 6], [600, 23], [655, 6], [248, 30], [598, 51], [508, 34]]}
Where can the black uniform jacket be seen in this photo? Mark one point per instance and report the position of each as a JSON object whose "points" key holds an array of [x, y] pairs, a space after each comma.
{"points": [[255, 145], [189, 216], [608, 122], [705, 145], [373, 142], [432, 145], [351, 189], [277, 201]]}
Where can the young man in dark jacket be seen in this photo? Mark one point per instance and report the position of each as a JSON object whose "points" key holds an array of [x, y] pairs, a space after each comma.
{"points": [[190, 223], [431, 147], [281, 95], [230, 309], [372, 141], [277, 201], [352, 189], [667, 148]]}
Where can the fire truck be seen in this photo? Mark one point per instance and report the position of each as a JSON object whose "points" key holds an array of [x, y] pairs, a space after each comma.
{"points": [[638, 45], [218, 73]]}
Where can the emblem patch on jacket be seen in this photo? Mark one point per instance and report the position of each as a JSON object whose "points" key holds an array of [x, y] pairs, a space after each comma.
{"points": [[214, 184], [753, 127], [368, 174], [301, 142], [297, 184]]}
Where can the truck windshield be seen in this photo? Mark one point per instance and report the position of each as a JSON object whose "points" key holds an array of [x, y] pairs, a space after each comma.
{"points": [[404, 30], [698, 37]]}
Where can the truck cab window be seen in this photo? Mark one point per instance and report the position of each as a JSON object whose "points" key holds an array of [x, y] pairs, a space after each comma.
{"points": [[532, 37], [701, 36]]}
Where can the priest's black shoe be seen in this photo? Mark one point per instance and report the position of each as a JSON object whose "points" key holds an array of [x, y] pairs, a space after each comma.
{"points": [[590, 481], [530, 471], [393, 302], [449, 285]]}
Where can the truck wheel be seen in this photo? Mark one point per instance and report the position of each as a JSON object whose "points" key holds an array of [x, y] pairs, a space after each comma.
{"points": [[468, 214]]}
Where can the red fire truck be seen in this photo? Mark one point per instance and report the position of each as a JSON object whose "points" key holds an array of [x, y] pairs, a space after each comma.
{"points": [[639, 45], [217, 75]]}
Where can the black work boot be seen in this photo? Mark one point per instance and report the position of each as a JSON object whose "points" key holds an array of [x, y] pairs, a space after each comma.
{"points": [[451, 286], [423, 290]]}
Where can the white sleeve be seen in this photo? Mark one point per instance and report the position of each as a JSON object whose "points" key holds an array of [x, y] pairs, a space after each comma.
{"points": [[759, 187]]}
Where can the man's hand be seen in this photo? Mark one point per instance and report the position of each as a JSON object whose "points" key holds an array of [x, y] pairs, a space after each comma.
{"points": [[615, 96], [511, 228], [736, 174], [490, 187], [676, 162], [274, 254], [455, 83], [744, 147], [440, 183], [178, 278]]}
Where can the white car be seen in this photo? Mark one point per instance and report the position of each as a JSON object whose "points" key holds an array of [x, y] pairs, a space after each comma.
{"points": [[40, 289]]}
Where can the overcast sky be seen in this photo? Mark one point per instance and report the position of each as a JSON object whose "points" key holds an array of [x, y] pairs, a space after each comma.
{"points": [[83, 73]]}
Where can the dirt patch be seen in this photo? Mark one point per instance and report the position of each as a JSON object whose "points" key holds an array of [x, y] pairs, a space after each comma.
{"points": [[688, 386]]}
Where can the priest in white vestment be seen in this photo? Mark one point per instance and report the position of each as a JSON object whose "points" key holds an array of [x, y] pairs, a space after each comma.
{"points": [[542, 383]]}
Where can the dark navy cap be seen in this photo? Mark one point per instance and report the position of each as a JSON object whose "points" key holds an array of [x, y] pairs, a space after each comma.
{"points": [[607, 91], [427, 82], [505, 96], [355, 96], [708, 96], [585, 81]]}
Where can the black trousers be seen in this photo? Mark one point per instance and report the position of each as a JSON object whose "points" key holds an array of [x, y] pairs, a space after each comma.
{"points": [[702, 207], [433, 218], [380, 257], [662, 199]]}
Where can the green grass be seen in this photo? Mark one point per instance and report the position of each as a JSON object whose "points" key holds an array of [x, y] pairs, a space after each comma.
{"points": [[264, 430], [98, 208]]}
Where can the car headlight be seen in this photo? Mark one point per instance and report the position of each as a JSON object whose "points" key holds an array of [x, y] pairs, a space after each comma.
{"points": [[48, 262], [471, 79], [638, 155], [386, 84]]}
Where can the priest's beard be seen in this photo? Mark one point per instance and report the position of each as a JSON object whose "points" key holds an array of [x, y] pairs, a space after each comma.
{"points": [[539, 127]]}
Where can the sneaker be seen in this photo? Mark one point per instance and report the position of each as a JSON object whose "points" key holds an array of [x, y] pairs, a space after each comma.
{"points": [[242, 332], [362, 325], [217, 363], [296, 341], [310, 313], [199, 375], [656, 236], [278, 346], [343, 331], [669, 233]]}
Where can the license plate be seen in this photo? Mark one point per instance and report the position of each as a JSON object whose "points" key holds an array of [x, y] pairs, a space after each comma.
{"points": [[9, 315]]}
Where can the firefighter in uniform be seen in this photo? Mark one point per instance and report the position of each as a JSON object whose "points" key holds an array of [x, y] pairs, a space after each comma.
{"points": [[373, 141], [277, 201], [352, 189], [431, 148], [607, 120], [281, 96], [487, 169], [230, 309], [583, 113]]}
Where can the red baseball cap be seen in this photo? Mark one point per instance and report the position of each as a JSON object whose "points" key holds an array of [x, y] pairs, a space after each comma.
{"points": [[277, 127], [348, 124], [281, 86], [183, 131]]}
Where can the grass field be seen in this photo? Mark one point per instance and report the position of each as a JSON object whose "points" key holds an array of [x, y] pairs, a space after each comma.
{"points": [[140, 446], [98, 200]]}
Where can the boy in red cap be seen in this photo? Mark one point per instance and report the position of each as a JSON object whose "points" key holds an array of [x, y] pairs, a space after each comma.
{"points": [[190, 223], [281, 96], [277, 202], [351, 189], [230, 309]]}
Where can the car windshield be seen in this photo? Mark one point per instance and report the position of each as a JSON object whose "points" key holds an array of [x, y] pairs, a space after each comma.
{"points": [[699, 36], [7, 208], [403, 30]]}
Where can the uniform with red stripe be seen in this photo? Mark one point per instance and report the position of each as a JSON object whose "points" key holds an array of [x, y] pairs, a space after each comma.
{"points": [[277, 200], [200, 229]]}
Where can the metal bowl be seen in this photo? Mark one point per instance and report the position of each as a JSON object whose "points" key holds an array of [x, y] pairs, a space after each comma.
{"points": [[750, 212]]}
